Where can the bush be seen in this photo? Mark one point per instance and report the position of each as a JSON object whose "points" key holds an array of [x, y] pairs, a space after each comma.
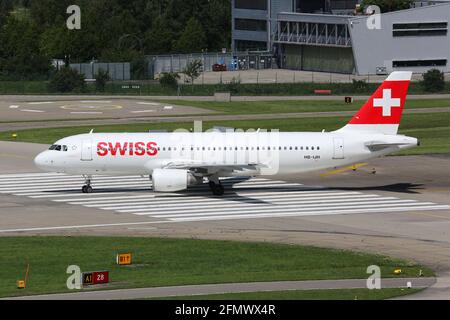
{"points": [[101, 78], [169, 80], [67, 80], [433, 81], [359, 85], [234, 85]]}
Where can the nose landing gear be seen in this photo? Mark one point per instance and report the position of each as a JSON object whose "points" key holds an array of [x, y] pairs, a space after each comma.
{"points": [[87, 187]]}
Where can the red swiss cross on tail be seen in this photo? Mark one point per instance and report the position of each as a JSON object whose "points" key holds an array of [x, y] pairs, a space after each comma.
{"points": [[383, 111]]}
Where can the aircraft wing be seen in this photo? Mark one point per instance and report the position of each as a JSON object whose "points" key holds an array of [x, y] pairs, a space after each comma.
{"points": [[205, 168]]}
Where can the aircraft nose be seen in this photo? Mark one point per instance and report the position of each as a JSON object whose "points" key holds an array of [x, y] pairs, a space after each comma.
{"points": [[42, 161]]}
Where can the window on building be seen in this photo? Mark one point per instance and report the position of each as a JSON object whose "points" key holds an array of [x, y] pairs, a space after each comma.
{"points": [[251, 4], [246, 45], [419, 29], [419, 63], [250, 24]]}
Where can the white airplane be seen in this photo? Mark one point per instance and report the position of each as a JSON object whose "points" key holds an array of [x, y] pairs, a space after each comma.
{"points": [[176, 160]]}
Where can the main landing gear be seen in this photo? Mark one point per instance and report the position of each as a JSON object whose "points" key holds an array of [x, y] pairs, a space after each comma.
{"points": [[216, 187], [87, 187]]}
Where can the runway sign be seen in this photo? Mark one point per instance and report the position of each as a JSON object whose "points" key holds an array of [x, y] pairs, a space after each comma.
{"points": [[123, 259], [101, 277], [93, 278], [86, 278]]}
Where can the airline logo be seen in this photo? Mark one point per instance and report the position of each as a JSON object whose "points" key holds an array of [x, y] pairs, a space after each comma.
{"points": [[127, 149], [385, 106], [387, 102]]}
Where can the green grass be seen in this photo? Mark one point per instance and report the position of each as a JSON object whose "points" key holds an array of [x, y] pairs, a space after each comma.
{"points": [[273, 107], [153, 88], [166, 262], [341, 294], [433, 129]]}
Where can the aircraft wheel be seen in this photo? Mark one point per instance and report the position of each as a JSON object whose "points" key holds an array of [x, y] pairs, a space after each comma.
{"points": [[87, 189], [219, 190]]}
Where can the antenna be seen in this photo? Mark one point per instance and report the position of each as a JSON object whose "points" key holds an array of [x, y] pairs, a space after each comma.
{"points": [[92, 131]]}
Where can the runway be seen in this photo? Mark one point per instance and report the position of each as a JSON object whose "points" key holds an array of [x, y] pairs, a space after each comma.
{"points": [[255, 198]]}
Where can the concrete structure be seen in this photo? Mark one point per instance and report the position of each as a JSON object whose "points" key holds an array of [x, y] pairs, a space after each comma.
{"points": [[327, 36]]}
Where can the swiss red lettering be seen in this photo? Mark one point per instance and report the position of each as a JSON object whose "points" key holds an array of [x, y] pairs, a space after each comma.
{"points": [[151, 149], [133, 148], [140, 149], [102, 149]]}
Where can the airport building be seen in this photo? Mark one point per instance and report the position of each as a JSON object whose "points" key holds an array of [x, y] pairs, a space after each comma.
{"points": [[331, 36]]}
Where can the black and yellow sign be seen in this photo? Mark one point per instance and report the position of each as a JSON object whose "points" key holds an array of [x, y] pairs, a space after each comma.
{"points": [[348, 100], [123, 258], [87, 278]]}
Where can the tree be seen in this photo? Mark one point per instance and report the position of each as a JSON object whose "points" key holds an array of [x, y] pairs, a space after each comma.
{"points": [[389, 5], [20, 56], [192, 39], [193, 70], [67, 80], [433, 81]]}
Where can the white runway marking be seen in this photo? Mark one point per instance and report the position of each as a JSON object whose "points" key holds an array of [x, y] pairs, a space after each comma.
{"points": [[95, 101], [40, 102], [244, 199], [13, 107], [149, 103], [31, 110], [142, 111], [86, 112]]}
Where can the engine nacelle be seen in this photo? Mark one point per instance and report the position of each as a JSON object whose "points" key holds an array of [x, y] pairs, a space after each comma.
{"points": [[170, 180]]}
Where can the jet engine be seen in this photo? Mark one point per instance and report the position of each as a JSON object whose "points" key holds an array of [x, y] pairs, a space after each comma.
{"points": [[170, 180]]}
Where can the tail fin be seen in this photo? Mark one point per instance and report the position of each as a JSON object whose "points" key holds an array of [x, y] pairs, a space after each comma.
{"points": [[383, 111]]}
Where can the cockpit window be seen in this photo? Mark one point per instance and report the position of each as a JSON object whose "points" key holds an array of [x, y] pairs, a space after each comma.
{"points": [[58, 147]]}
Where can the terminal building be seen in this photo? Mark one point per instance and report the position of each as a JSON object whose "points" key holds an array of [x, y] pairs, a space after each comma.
{"points": [[331, 36]]}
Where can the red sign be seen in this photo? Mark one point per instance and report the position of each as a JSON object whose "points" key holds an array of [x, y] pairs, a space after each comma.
{"points": [[100, 277]]}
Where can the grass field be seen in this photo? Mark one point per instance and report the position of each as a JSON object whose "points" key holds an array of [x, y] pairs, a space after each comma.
{"points": [[344, 294], [165, 262], [433, 129], [273, 107]]}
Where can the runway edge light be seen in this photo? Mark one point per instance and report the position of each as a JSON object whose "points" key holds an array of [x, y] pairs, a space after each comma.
{"points": [[124, 259], [397, 271]]}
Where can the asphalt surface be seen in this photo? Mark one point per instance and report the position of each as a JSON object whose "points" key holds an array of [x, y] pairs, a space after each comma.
{"points": [[208, 289], [417, 234]]}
